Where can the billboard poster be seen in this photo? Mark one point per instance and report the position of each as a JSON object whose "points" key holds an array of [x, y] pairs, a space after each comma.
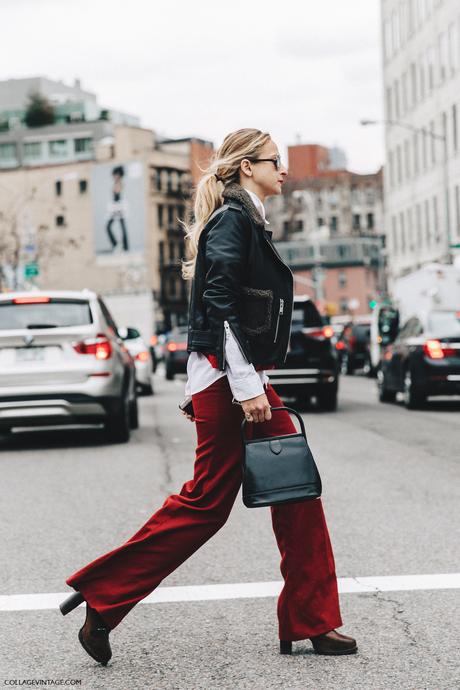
{"points": [[118, 202]]}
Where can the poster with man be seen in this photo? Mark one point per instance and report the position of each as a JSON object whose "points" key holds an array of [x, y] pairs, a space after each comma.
{"points": [[118, 200]]}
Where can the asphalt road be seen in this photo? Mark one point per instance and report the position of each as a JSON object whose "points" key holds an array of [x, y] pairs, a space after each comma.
{"points": [[391, 495]]}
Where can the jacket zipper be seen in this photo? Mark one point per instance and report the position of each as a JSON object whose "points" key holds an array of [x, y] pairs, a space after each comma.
{"points": [[280, 312]]}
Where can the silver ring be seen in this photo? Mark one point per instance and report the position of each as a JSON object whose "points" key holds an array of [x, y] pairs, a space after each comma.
{"points": [[247, 416]]}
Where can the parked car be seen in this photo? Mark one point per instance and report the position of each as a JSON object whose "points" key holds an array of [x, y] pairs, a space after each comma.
{"points": [[63, 362], [175, 352], [142, 358], [423, 359], [353, 347], [311, 367]]}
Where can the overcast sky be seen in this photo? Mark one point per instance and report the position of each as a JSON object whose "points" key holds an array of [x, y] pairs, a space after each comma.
{"points": [[304, 68]]}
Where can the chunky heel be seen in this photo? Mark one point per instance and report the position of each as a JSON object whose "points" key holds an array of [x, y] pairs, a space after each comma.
{"points": [[285, 647], [71, 603]]}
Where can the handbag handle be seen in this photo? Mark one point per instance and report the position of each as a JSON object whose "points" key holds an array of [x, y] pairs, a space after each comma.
{"points": [[273, 409]]}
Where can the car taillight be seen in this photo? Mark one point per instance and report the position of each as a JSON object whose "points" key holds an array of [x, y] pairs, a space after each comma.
{"points": [[100, 347], [435, 350], [340, 345], [153, 340], [325, 332], [172, 347], [37, 299], [142, 356]]}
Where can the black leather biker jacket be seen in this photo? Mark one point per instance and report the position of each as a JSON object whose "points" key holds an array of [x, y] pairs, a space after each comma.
{"points": [[240, 278]]}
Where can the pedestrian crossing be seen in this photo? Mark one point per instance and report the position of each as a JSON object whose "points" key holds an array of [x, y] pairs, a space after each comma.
{"points": [[246, 590]]}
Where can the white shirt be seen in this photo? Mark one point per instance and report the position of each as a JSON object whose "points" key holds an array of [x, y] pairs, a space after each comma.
{"points": [[245, 382]]}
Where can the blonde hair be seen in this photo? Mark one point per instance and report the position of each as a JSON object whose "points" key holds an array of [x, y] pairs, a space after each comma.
{"points": [[223, 170]]}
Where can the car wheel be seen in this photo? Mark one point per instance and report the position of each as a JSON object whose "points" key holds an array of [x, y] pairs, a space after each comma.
{"points": [[146, 389], [118, 425], [368, 369], [413, 399], [134, 414], [327, 399], [385, 395]]}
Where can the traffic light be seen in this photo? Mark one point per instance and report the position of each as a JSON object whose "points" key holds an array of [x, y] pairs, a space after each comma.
{"points": [[372, 303]]}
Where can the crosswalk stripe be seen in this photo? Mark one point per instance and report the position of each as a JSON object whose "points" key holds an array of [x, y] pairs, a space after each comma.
{"points": [[245, 590]]}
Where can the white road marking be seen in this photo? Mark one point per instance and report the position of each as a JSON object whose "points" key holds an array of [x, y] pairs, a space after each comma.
{"points": [[245, 590]]}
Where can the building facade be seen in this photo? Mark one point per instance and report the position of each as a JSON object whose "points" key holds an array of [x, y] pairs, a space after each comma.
{"points": [[421, 73]]}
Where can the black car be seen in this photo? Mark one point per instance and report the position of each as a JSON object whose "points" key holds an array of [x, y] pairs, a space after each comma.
{"points": [[311, 368], [422, 360], [175, 352], [353, 347]]}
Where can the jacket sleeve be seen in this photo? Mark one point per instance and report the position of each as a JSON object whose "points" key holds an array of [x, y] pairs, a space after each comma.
{"points": [[226, 253]]}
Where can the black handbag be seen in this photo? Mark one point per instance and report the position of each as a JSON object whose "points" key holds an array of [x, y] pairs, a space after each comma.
{"points": [[279, 469]]}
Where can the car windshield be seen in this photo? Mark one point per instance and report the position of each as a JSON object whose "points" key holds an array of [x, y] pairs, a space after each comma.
{"points": [[444, 323], [52, 314]]}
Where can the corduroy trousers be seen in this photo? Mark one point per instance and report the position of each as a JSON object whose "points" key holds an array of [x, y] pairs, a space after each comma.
{"points": [[308, 604]]}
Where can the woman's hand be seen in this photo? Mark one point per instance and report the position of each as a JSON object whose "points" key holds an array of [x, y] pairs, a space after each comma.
{"points": [[257, 409], [189, 416]]}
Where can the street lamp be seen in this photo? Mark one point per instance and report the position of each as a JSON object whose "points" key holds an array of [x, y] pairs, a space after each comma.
{"points": [[438, 137]]}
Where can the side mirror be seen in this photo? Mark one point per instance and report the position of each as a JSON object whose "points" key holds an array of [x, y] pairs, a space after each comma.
{"points": [[388, 325], [128, 333]]}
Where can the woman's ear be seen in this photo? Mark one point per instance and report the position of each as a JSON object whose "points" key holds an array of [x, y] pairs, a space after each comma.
{"points": [[245, 167]]}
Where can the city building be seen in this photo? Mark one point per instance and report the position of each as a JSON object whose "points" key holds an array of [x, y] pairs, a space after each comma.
{"points": [[70, 103], [421, 73], [100, 205]]}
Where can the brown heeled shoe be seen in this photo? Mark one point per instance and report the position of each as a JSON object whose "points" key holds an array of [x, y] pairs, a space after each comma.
{"points": [[331, 643], [94, 637]]}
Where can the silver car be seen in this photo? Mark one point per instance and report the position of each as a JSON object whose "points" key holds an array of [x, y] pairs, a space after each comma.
{"points": [[62, 362], [142, 358]]}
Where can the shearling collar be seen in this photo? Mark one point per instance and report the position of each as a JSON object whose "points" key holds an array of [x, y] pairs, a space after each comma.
{"points": [[238, 193]]}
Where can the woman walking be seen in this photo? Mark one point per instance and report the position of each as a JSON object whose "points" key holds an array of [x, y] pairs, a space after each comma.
{"points": [[239, 327]]}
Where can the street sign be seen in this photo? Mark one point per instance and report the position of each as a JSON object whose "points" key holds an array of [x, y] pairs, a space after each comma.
{"points": [[455, 246], [31, 270]]}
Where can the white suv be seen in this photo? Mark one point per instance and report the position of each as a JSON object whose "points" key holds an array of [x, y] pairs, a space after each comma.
{"points": [[63, 362]]}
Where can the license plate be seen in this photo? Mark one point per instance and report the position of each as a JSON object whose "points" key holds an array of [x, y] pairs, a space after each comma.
{"points": [[30, 354]]}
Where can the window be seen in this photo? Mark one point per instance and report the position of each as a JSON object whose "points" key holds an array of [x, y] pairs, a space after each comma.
{"points": [[171, 252], [424, 149], [83, 145], [452, 48], [356, 221], [418, 224], [170, 215], [415, 153], [161, 252], [433, 143], [443, 56], [33, 149], [60, 221], [422, 76], [320, 221], [58, 187], [436, 219], [427, 223], [454, 128], [343, 304], [334, 224], [431, 68], [57, 148], [370, 221], [7, 151], [342, 279], [457, 208], [397, 102], [405, 105], [158, 179], [389, 104], [410, 229], [402, 232], [391, 168], [160, 212], [394, 234], [445, 143], [83, 186], [399, 164], [406, 160], [413, 82]]}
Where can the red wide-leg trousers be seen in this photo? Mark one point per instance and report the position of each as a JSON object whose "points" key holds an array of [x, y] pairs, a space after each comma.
{"points": [[308, 604]]}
